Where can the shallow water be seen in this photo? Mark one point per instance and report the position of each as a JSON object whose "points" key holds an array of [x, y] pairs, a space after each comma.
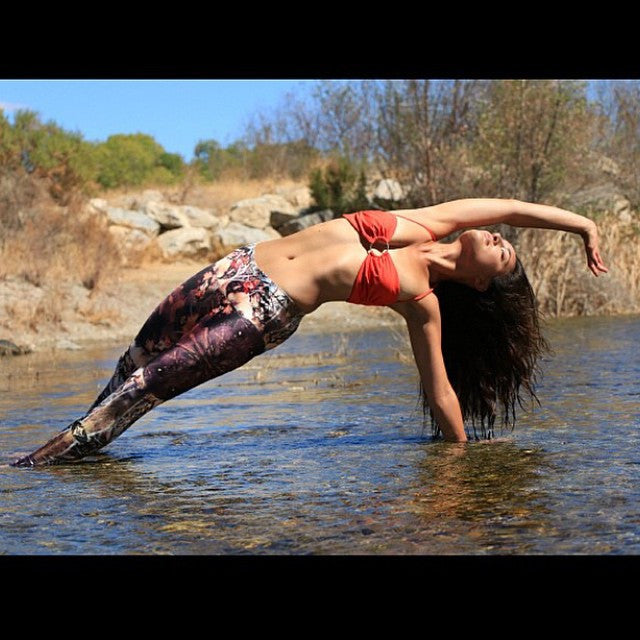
{"points": [[317, 447]]}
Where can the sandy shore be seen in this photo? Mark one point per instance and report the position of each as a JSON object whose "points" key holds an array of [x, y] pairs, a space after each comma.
{"points": [[68, 316]]}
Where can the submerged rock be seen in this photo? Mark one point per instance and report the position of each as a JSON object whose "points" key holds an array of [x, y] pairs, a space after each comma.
{"points": [[8, 348]]}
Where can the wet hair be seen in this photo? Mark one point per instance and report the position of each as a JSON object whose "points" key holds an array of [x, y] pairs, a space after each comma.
{"points": [[491, 344]]}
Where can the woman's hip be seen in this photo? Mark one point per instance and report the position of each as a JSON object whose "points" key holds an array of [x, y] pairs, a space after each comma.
{"points": [[234, 284]]}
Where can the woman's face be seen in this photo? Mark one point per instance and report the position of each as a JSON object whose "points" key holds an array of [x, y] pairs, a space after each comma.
{"points": [[488, 254]]}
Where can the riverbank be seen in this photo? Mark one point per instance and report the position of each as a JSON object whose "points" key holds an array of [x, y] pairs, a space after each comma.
{"points": [[66, 281], [67, 316]]}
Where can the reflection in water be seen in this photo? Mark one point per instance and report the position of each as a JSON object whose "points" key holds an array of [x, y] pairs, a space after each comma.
{"points": [[488, 489], [318, 447]]}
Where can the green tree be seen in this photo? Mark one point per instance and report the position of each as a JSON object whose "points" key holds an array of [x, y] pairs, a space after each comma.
{"points": [[63, 158], [128, 159]]}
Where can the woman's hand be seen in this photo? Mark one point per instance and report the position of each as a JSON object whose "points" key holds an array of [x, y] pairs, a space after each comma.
{"points": [[594, 261]]}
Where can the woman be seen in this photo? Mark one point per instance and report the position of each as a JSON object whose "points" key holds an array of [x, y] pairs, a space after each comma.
{"points": [[233, 310]]}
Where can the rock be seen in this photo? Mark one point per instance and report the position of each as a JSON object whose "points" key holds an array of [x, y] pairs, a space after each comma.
{"points": [[188, 241], [8, 348], [98, 205], [389, 189], [200, 217], [256, 212], [170, 216], [303, 222], [298, 197], [166, 215], [236, 235], [67, 345], [128, 239], [622, 209], [279, 218], [133, 220]]}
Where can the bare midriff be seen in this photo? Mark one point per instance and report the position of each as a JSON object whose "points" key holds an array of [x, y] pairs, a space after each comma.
{"points": [[320, 264]]}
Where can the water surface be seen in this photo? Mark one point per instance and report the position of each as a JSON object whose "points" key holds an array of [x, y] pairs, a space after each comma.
{"points": [[318, 447]]}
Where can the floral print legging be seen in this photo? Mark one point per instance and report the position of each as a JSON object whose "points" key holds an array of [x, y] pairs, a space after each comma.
{"points": [[213, 323]]}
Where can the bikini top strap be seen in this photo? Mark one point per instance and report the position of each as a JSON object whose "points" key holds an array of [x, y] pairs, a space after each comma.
{"points": [[433, 235], [418, 297]]}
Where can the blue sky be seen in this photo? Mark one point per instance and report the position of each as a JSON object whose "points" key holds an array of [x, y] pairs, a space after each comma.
{"points": [[177, 113]]}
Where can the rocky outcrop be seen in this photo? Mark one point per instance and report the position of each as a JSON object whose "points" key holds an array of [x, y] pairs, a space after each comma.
{"points": [[299, 197], [305, 221], [130, 240], [256, 212], [187, 241], [133, 220], [194, 232], [166, 215], [235, 235]]}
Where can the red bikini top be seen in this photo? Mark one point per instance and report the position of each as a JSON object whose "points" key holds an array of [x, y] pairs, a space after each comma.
{"points": [[377, 282]]}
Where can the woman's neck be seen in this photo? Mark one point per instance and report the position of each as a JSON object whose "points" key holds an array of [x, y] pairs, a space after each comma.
{"points": [[444, 262]]}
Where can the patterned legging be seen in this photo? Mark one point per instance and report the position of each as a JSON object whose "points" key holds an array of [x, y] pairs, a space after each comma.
{"points": [[211, 324]]}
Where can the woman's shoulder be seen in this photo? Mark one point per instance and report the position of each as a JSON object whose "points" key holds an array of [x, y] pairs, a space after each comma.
{"points": [[422, 311]]}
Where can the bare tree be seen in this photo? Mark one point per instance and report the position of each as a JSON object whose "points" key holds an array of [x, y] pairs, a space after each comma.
{"points": [[424, 127], [533, 135]]}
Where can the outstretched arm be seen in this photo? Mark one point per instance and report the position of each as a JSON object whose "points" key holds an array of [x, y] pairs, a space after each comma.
{"points": [[447, 217], [423, 323], [527, 214]]}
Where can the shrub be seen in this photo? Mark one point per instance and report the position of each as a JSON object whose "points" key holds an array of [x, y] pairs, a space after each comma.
{"points": [[339, 187]]}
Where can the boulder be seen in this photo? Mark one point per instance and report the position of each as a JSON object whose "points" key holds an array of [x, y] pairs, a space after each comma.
{"points": [[303, 222], [67, 345], [170, 216], [99, 205], [236, 235], [8, 348], [622, 209], [200, 217], [166, 215], [133, 220], [129, 239], [299, 197], [280, 218], [256, 212], [188, 241], [389, 189]]}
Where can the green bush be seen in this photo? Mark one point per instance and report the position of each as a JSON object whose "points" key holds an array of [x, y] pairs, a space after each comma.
{"points": [[61, 158], [340, 187], [211, 159], [131, 159]]}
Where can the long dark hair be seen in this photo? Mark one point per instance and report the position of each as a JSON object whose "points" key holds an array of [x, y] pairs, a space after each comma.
{"points": [[491, 343]]}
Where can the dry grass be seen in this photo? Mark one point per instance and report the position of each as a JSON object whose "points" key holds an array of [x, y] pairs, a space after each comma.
{"points": [[556, 266], [218, 195], [57, 245]]}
